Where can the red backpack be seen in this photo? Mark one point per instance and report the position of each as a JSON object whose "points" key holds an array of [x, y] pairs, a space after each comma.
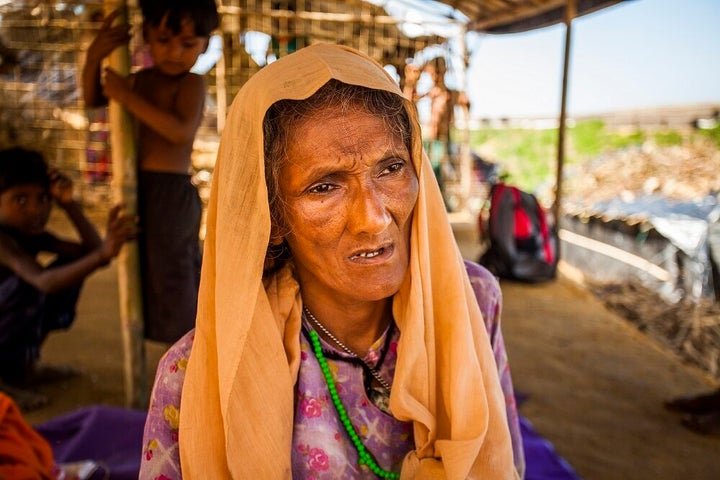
{"points": [[522, 246]]}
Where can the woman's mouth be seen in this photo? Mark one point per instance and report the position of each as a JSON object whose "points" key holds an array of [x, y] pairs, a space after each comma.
{"points": [[377, 253], [372, 254]]}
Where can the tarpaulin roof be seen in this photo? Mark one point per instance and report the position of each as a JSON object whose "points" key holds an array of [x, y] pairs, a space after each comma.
{"points": [[512, 16]]}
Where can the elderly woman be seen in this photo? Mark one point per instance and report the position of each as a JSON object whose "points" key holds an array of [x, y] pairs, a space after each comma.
{"points": [[339, 332]]}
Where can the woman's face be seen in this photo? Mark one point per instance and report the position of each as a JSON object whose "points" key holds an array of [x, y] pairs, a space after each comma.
{"points": [[349, 188]]}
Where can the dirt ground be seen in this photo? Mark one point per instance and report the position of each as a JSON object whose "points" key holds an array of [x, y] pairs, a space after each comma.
{"points": [[594, 384]]}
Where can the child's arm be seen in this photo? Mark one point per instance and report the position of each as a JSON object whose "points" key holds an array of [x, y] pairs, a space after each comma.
{"points": [[107, 40], [61, 190], [119, 229], [177, 124]]}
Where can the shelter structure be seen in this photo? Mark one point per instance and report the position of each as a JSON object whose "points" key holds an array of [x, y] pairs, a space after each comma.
{"points": [[42, 45]]}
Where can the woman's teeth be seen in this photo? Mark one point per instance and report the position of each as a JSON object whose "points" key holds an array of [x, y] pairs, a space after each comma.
{"points": [[372, 254]]}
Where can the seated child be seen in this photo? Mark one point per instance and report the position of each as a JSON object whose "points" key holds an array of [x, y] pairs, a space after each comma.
{"points": [[36, 299]]}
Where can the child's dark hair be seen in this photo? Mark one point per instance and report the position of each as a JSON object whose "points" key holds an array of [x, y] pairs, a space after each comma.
{"points": [[19, 166], [203, 14]]}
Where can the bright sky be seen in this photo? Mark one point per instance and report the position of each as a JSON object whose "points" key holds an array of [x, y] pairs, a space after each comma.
{"points": [[640, 53]]}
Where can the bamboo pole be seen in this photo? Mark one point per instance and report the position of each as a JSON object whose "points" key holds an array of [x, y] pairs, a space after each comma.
{"points": [[125, 189], [466, 173], [221, 86], [557, 206]]}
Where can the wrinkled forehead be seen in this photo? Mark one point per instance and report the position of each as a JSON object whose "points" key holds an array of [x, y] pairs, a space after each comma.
{"points": [[297, 77]]}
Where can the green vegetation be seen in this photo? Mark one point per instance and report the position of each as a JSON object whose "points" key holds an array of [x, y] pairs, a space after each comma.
{"points": [[588, 137], [713, 134], [668, 138], [527, 157]]}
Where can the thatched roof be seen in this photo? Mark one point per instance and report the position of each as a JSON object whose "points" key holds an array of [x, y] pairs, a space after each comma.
{"points": [[391, 31]]}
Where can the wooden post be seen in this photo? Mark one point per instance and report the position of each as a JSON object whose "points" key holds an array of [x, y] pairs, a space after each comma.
{"points": [[557, 206], [221, 93], [466, 171], [124, 164]]}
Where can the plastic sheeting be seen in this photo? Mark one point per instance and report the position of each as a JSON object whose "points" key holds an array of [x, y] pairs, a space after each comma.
{"points": [[626, 240]]}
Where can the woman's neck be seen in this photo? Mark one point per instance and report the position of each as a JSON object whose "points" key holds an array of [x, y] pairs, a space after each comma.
{"points": [[357, 326]]}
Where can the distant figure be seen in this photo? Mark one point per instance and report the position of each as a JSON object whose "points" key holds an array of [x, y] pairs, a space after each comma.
{"points": [[35, 298], [411, 76], [168, 101], [436, 132], [438, 128]]}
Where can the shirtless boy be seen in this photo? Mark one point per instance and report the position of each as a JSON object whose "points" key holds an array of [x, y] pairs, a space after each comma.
{"points": [[167, 100]]}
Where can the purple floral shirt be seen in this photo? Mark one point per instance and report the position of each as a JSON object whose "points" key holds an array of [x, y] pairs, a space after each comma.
{"points": [[321, 447]]}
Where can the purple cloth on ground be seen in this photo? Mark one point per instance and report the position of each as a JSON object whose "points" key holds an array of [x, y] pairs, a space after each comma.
{"points": [[109, 435], [113, 436], [542, 461]]}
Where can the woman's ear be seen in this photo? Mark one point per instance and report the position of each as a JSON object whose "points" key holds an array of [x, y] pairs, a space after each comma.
{"points": [[277, 251], [276, 236]]}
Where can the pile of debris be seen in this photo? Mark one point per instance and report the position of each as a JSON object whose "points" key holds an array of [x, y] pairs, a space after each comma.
{"points": [[681, 173], [690, 329]]}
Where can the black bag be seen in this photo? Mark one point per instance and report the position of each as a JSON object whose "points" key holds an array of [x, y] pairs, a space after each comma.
{"points": [[521, 244]]}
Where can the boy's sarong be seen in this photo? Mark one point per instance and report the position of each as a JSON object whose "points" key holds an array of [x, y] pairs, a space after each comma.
{"points": [[170, 211], [27, 315]]}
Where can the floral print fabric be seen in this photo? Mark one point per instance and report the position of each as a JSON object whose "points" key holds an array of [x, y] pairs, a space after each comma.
{"points": [[321, 447]]}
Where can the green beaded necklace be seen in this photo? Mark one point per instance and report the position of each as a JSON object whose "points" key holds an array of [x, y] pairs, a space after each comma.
{"points": [[364, 457]]}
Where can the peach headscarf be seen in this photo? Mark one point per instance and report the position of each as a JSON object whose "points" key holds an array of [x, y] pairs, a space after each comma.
{"points": [[236, 417]]}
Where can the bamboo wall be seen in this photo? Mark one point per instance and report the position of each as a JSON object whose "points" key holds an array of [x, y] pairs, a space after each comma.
{"points": [[42, 48]]}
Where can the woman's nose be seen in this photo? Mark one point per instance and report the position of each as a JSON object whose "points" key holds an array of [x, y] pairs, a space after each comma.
{"points": [[369, 212]]}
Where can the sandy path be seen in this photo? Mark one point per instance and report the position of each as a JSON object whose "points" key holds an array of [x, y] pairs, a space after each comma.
{"points": [[595, 387]]}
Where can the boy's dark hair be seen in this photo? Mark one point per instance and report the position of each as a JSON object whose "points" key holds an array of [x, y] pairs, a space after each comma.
{"points": [[19, 166], [203, 14]]}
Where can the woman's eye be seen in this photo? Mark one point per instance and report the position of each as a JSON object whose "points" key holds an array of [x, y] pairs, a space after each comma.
{"points": [[322, 188], [394, 167]]}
